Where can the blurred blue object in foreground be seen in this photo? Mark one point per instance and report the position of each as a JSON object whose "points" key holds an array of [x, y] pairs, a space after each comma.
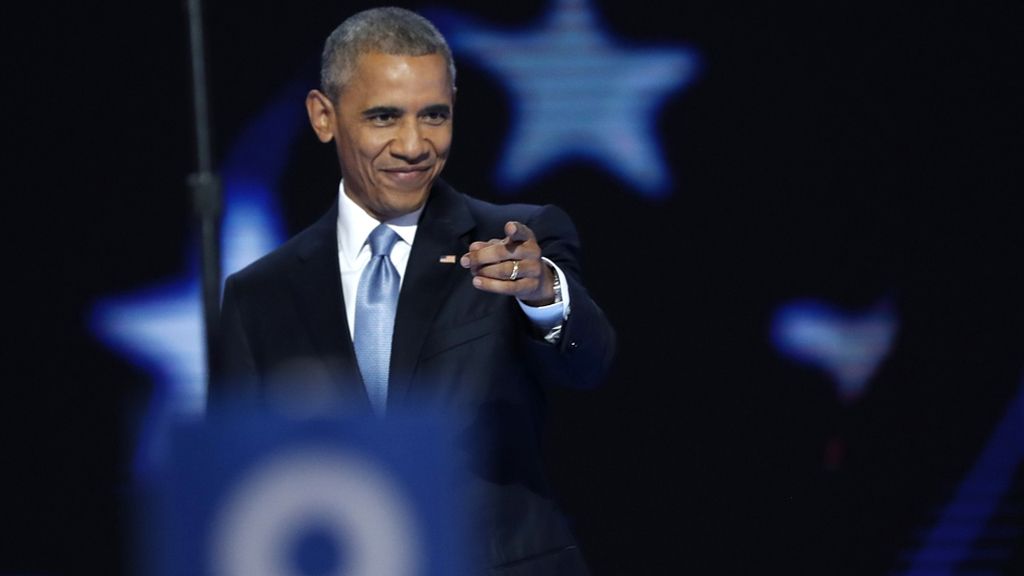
{"points": [[250, 495]]}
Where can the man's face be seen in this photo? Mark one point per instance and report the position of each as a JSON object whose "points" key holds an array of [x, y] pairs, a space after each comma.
{"points": [[392, 126]]}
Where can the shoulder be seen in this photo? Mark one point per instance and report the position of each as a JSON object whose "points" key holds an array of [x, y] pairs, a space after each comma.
{"points": [[303, 245], [491, 217]]}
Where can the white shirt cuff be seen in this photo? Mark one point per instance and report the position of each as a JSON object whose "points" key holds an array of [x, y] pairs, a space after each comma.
{"points": [[549, 318]]}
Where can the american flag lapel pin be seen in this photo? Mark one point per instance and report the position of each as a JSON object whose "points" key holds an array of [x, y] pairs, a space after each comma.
{"points": [[447, 259]]}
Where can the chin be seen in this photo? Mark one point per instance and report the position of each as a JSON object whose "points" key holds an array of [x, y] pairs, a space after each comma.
{"points": [[401, 202]]}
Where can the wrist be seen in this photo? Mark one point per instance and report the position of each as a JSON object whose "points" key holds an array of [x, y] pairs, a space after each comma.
{"points": [[556, 291]]}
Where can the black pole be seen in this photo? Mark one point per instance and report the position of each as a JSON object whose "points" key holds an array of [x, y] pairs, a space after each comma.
{"points": [[206, 189]]}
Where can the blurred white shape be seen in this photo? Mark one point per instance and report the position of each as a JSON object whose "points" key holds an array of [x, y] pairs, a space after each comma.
{"points": [[360, 505]]}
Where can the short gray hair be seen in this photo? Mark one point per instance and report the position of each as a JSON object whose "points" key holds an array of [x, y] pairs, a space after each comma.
{"points": [[386, 30]]}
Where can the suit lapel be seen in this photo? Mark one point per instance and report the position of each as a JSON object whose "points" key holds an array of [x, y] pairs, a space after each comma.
{"points": [[316, 283], [443, 230]]}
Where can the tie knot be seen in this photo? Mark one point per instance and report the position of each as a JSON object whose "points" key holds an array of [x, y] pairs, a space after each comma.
{"points": [[381, 240]]}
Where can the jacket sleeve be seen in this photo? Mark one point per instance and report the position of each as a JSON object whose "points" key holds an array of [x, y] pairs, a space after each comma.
{"points": [[584, 354]]}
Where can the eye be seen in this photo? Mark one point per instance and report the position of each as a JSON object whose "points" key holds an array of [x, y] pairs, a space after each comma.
{"points": [[383, 118], [435, 118]]}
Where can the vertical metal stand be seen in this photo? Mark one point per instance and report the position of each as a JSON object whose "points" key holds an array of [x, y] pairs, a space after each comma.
{"points": [[206, 189]]}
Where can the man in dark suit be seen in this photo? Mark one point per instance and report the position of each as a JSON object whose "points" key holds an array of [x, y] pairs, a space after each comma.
{"points": [[492, 307]]}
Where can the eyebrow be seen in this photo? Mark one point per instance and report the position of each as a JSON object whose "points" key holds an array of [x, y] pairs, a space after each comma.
{"points": [[382, 110], [396, 111], [437, 109]]}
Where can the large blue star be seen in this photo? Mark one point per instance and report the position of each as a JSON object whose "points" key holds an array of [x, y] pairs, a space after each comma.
{"points": [[161, 328], [576, 95]]}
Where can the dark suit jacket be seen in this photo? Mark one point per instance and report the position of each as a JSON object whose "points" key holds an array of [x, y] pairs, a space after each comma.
{"points": [[471, 353]]}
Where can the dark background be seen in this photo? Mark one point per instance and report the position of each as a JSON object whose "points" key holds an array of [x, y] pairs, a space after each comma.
{"points": [[841, 151]]}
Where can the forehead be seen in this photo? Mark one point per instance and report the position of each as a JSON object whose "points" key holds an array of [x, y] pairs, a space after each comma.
{"points": [[380, 79]]}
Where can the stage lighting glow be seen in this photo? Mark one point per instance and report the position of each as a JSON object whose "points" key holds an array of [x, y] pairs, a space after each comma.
{"points": [[847, 346]]}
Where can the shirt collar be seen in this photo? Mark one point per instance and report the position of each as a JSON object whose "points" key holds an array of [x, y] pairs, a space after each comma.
{"points": [[355, 225]]}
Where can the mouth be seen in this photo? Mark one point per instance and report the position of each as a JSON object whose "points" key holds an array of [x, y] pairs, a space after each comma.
{"points": [[406, 175]]}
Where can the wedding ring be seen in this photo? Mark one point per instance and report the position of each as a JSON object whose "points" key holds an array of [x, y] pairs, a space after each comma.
{"points": [[515, 271]]}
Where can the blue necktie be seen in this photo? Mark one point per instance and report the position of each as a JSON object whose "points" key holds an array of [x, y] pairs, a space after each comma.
{"points": [[375, 316]]}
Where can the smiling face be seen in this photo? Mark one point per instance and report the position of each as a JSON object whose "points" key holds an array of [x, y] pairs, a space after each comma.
{"points": [[392, 127]]}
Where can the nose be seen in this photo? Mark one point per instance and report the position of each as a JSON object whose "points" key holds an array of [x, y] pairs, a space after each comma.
{"points": [[409, 143]]}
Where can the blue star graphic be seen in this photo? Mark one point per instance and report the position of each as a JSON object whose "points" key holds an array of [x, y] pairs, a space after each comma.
{"points": [[160, 328], [576, 95]]}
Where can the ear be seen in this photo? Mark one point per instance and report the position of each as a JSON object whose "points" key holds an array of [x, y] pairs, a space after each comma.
{"points": [[321, 115]]}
